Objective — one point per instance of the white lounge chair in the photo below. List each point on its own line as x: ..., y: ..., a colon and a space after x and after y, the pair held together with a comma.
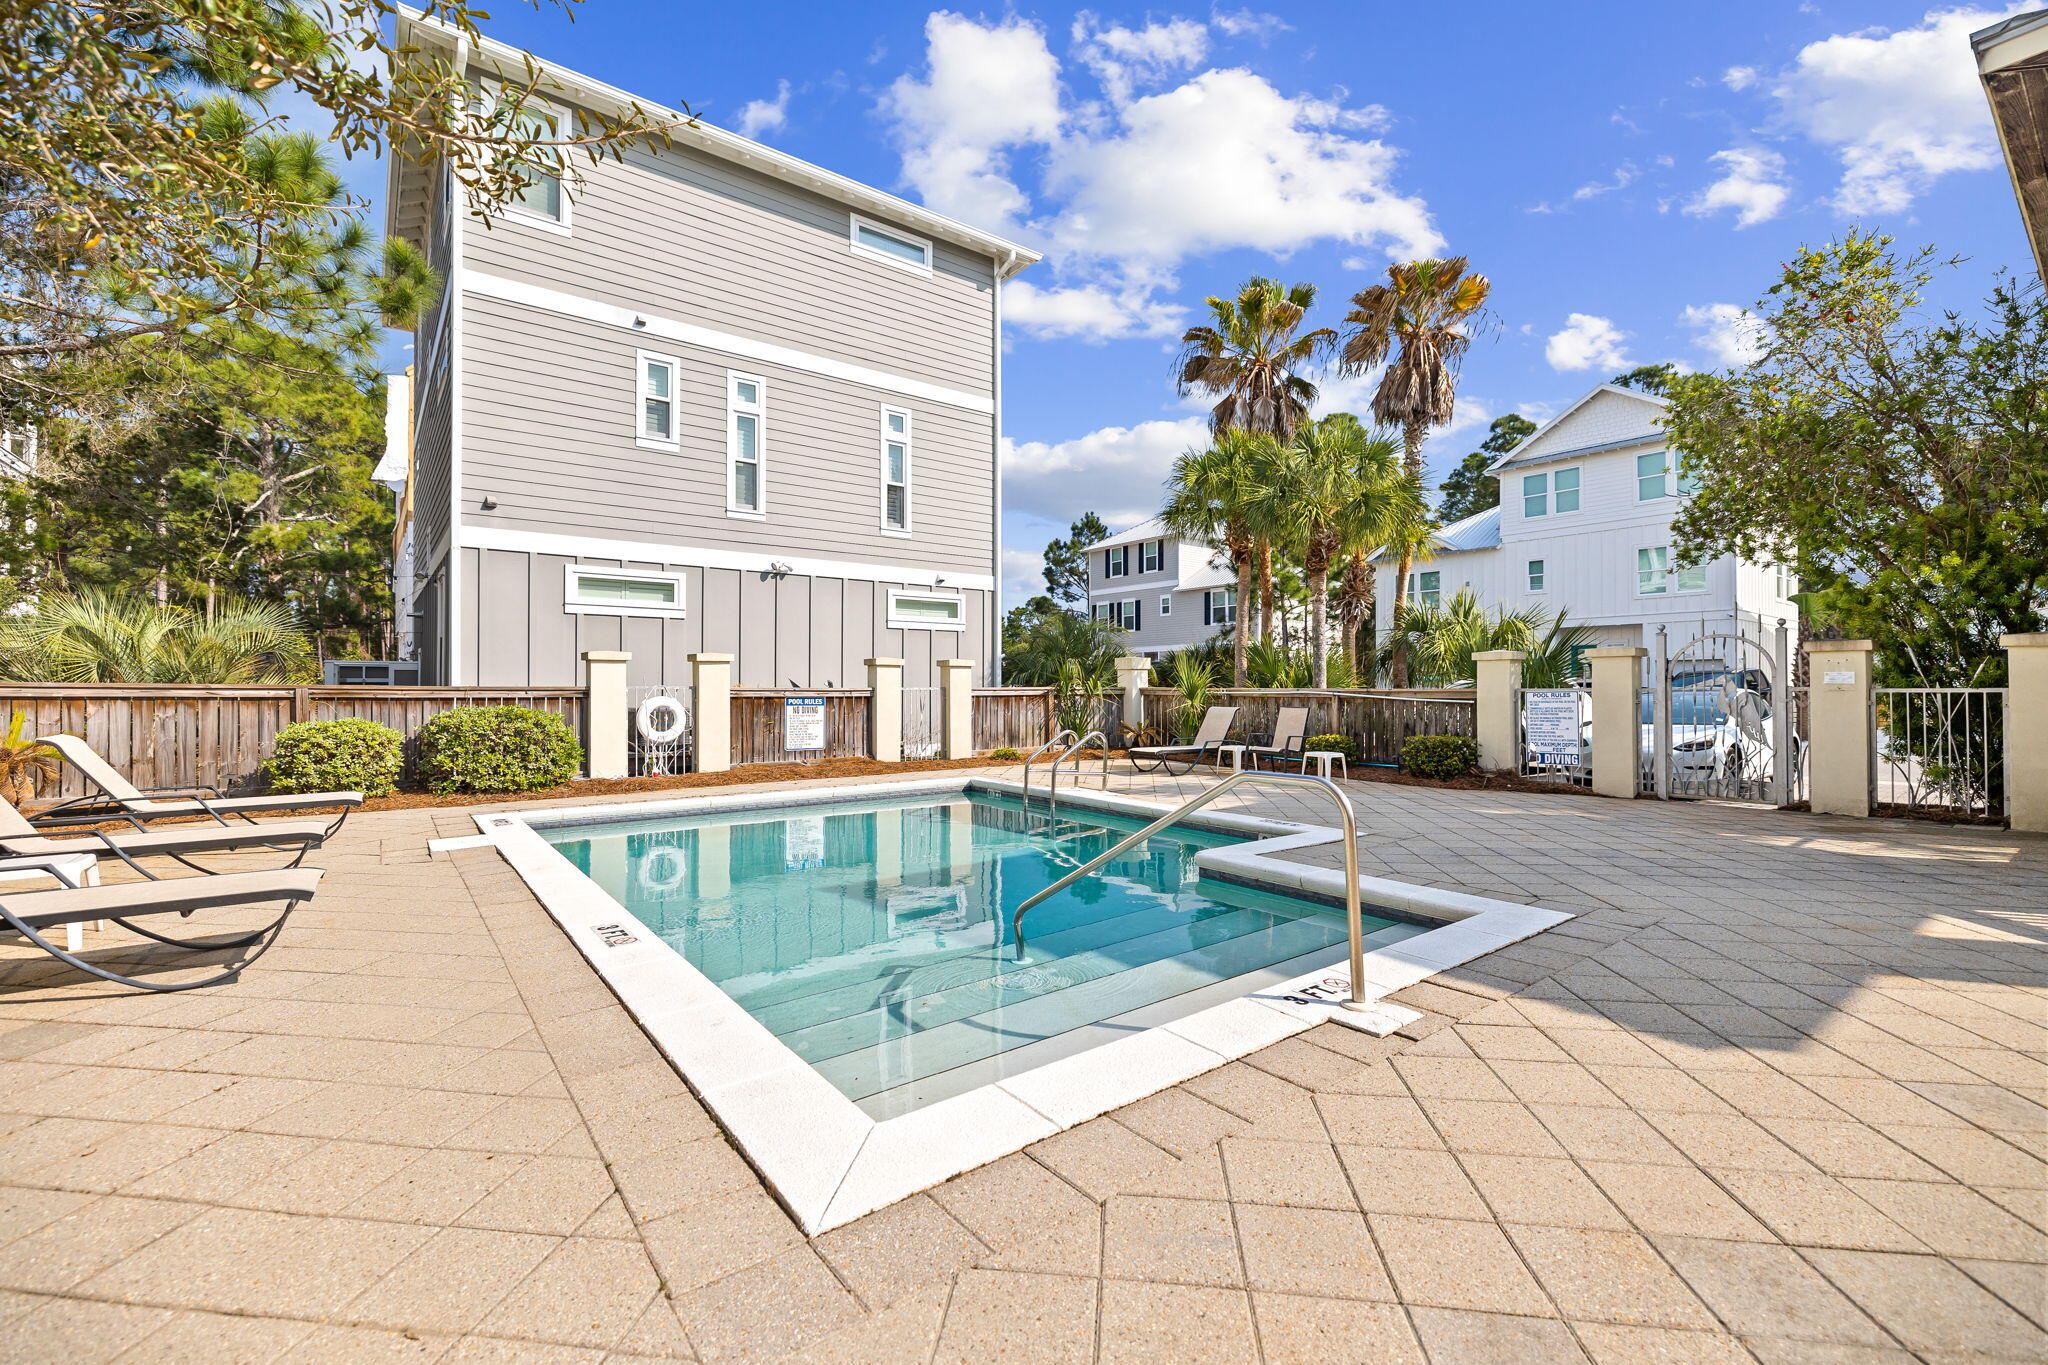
x: 120, y: 799
x: 1210, y: 737
x: 20, y: 839
x: 1290, y: 729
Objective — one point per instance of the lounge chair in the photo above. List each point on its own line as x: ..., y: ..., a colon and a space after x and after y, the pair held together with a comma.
x: 1290, y: 728
x: 20, y: 839
x: 120, y: 799
x: 28, y: 913
x: 1210, y: 737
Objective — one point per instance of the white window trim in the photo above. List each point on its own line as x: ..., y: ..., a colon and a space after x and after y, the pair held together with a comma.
x: 1166, y: 604
x: 1578, y: 469
x: 882, y: 469
x: 1159, y: 557
x: 734, y: 409
x: 896, y: 622
x: 674, y: 442
x: 1120, y: 557
x: 1545, y: 562
x: 1670, y: 476
x: 517, y: 214
x: 576, y: 606
x: 1671, y: 588
x: 854, y: 223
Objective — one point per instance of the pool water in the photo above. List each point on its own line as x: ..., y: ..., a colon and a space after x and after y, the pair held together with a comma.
x: 873, y: 938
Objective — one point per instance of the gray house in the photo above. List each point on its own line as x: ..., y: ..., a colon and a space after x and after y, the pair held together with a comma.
x: 1164, y: 592
x: 707, y: 398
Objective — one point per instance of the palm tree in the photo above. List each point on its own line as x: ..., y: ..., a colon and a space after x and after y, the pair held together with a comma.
x: 1334, y: 490
x: 105, y: 637
x: 1058, y: 640
x: 1442, y: 639
x: 1420, y: 323
x: 1209, y: 499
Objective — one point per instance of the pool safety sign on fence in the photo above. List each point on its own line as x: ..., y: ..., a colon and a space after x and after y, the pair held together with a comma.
x: 1550, y: 725
x: 803, y: 723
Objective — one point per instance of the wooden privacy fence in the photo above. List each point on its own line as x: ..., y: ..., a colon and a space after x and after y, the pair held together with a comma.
x: 1380, y: 721
x: 1012, y: 717
x: 184, y: 736
x: 757, y: 724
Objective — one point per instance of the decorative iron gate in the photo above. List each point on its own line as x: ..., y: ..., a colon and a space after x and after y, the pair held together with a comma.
x: 658, y: 735
x: 1716, y: 720
x: 1940, y: 749
x: 920, y: 722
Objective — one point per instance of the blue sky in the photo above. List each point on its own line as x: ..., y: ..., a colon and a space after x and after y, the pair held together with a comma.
x: 1627, y: 175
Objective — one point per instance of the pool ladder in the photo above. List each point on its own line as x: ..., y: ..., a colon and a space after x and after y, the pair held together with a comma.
x: 1036, y: 754
x: 1353, y: 916
x: 1075, y: 751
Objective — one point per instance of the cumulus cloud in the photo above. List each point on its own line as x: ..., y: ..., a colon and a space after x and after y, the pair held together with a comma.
x: 1898, y: 109
x: 1752, y: 184
x: 1089, y: 312
x: 757, y: 117
x: 1125, y: 58
x: 1587, y: 342
x: 1726, y: 331
x: 1123, y: 468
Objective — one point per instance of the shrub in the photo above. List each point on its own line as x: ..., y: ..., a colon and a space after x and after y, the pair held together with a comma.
x: 351, y: 755
x: 497, y: 749
x: 1336, y: 744
x: 1006, y: 753
x: 1439, y: 756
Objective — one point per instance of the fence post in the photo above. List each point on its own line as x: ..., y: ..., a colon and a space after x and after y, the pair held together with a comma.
x: 956, y: 704
x: 1496, y: 725
x: 711, y: 699
x: 885, y: 710
x: 604, y: 714
x: 1841, y: 740
x: 2026, y: 732
x: 1133, y: 676
x: 1617, y: 729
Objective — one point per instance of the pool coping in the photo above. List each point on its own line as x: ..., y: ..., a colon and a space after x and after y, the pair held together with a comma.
x: 827, y: 1160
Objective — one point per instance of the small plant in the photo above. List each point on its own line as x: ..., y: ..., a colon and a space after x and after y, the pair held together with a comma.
x: 497, y: 749
x: 1336, y: 744
x: 23, y: 763
x: 1439, y: 756
x: 348, y: 755
x: 1077, y: 698
x: 1006, y: 754
x: 1191, y: 676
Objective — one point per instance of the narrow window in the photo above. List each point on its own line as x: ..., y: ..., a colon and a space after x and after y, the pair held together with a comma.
x: 1535, y: 575
x: 1149, y: 555
x: 1651, y: 476
x: 1132, y: 614
x: 1688, y: 476
x: 1566, y: 484
x: 926, y: 611
x: 540, y: 196
x: 1651, y: 562
x: 1166, y: 605
x: 622, y: 592
x: 896, y: 471
x: 1535, y: 495
x: 657, y: 406
x: 746, y: 411
x: 887, y: 244
x: 1116, y: 563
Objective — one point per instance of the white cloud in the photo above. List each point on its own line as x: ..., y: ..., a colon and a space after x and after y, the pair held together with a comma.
x: 1752, y: 184
x: 1125, y: 58
x: 764, y: 116
x: 1898, y: 109
x: 1090, y: 312
x: 1739, y: 77
x: 1023, y: 575
x: 1727, y: 332
x: 1119, y: 471
x: 1245, y: 23
x: 1587, y: 342
x: 1624, y: 175
x: 988, y: 88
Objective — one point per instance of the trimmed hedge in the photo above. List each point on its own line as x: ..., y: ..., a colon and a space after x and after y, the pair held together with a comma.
x: 1336, y: 744
x: 349, y: 755
x: 497, y: 749
x: 1440, y: 756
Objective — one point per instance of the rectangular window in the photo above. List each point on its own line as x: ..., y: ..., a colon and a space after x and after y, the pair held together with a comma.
x: 1651, y: 565
x: 1151, y: 555
x: 896, y: 471
x: 1166, y: 605
x: 887, y: 244
x: 1691, y: 579
x: 1785, y: 581
x: 1426, y: 588
x: 1566, y: 483
x: 1219, y: 607
x: 1116, y: 563
x: 622, y: 592
x: 1688, y: 475
x: 539, y: 201
x: 1535, y: 575
x: 1535, y: 495
x: 657, y: 400
x: 1652, y: 473
x: 1124, y: 615
x: 926, y: 611
x: 746, y: 413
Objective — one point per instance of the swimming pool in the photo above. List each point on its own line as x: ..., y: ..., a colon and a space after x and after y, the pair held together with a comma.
x: 874, y: 938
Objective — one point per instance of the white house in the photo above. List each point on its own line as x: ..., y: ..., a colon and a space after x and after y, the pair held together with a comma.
x: 1584, y: 526
x: 1166, y: 592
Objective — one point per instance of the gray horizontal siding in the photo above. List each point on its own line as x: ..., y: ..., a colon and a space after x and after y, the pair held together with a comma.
x: 689, y: 236
x: 548, y: 433
x: 431, y: 464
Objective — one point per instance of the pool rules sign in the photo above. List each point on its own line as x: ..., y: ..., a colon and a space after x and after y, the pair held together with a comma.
x: 803, y: 724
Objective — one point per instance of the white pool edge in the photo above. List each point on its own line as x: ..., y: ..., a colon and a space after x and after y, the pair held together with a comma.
x: 826, y: 1159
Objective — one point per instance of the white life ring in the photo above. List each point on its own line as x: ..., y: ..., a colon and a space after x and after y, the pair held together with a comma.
x: 660, y: 720
x: 663, y: 869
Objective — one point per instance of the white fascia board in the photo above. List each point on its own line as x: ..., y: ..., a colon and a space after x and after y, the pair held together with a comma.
x: 476, y: 537
x: 1588, y: 396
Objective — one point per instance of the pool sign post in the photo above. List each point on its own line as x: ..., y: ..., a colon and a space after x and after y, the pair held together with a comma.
x: 803, y: 724
x: 1552, y: 726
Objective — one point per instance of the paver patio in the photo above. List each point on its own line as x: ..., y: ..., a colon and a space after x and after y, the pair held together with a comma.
x: 1778, y: 1093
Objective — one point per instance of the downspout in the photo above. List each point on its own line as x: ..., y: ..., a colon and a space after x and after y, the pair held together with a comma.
x: 1001, y: 270
x: 455, y: 625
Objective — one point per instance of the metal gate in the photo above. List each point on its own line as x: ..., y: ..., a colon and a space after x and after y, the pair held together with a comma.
x: 1716, y: 721
x: 647, y: 754
x: 920, y: 722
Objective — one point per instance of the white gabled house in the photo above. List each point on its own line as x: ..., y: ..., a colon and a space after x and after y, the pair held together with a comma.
x: 1584, y: 526
x: 1165, y: 592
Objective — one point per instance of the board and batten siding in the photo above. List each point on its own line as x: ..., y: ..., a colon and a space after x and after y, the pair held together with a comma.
x: 549, y: 413
x: 686, y: 235
x: 789, y: 630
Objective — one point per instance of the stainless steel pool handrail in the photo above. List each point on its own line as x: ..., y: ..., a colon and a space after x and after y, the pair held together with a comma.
x: 1033, y: 757
x: 1353, y: 916
x: 1075, y: 751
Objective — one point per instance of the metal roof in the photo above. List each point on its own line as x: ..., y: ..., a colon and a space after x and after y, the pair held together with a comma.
x: 1480, y: 531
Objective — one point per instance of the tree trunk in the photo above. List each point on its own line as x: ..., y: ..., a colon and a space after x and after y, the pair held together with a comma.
x: 1240, y: 630
x: 1266, y: 591
x: 1318, y: 621
x: 1411, y: 453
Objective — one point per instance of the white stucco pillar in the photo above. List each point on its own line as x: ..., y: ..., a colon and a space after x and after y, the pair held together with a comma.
x: 1497, y: 725
x: 711, y: 703
x: 1133, y: 676
x: 604, y: 716
x: 1617, y: 727
x: 2026, y: 731
x: 885, y: 710
x: 956, y: 706
x: 1841, y: 737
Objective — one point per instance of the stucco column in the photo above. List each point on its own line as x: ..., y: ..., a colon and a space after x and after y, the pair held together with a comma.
x: 1617, y: 729
x: 604, y: 714
x: 956, y: 706
x: 1496, y: 724
x: 711, y: 701
x: 885, y: 709
x: 1133, y: 676
x: 1841, y: 739
x: 2026, y: 731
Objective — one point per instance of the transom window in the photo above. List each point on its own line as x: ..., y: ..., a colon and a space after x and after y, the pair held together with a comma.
x: 926, y: 611
x: 1536, y: 575
x: 1219, y: 607
x: 1553, y: 490
x: 623, y: 592
x: 896, y: 436
x: 1425, y: 587
x: 746, y: 409
x: 888, y: 244
x: 657, y: 400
